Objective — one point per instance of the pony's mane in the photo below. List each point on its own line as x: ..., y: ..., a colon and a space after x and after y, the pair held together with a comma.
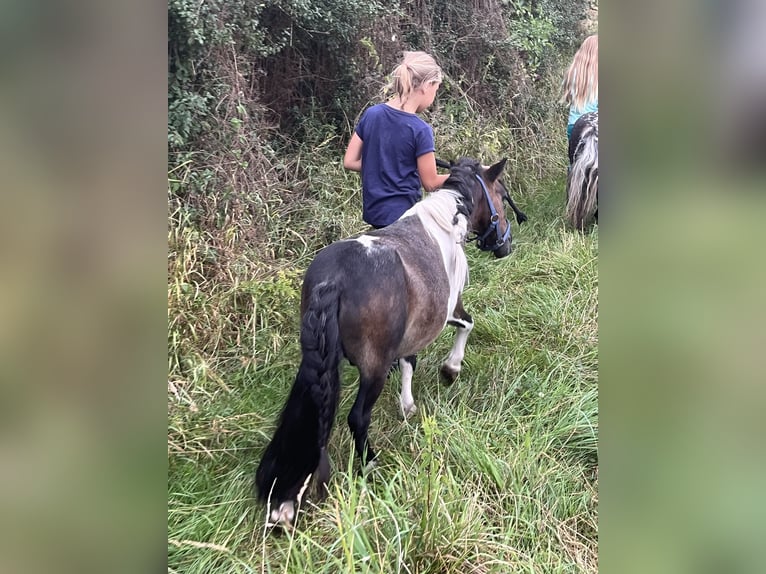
x: 448, y: 209
x: 444, y: 205
x: 441, y: 207
x: 582, y: 180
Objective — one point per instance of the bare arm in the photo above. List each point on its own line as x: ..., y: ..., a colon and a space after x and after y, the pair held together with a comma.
x: 353, y: 158
x: 427, y: 170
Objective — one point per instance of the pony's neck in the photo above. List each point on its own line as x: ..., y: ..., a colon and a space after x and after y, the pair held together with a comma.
x: 442, y: 220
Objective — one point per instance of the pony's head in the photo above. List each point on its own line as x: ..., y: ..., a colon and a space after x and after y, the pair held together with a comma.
x: 483, y: 195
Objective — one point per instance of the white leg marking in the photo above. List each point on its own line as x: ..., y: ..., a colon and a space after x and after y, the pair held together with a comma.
x: 405, y: 399
x: 284, y: 515
x: 455, y: 359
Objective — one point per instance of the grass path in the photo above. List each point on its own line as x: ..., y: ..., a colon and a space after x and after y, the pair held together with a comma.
x: 496, y: 473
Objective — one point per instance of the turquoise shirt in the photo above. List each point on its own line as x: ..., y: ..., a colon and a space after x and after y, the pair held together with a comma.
x: 575, y: 114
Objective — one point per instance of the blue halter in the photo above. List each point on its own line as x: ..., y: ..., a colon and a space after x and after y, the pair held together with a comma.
x: 494, y: 225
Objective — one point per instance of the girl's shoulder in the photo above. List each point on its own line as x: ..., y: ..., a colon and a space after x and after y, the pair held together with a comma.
x: 392, y: 115
x: 381, y: 108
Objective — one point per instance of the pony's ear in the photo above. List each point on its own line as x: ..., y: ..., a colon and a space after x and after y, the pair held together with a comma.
x: 494, y: 171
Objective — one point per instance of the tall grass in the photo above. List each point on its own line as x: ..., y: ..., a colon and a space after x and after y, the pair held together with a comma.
x: 496, y: 473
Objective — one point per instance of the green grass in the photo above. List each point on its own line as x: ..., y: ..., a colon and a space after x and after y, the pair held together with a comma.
x: 496, y: 473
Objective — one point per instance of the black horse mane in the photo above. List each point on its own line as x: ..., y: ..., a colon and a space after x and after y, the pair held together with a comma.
x: 461, y: 178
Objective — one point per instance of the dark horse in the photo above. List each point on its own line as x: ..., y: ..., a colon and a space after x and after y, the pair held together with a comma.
x: 372, y: 299
x: 582, y: 180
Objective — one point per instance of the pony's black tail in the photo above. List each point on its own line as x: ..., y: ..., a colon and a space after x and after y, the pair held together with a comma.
x: 582, y: 180
x: 298, y: 448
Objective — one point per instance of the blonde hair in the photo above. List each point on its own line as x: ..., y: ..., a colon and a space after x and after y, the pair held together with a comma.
x: 580, y: 86
x: 415, y: 69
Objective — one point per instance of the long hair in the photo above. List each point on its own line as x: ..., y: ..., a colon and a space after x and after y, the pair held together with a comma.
x: 415, y: 69
x: 580, y: 85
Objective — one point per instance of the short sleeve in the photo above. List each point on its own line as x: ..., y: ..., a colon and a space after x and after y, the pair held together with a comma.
x: 361, y: 127
x: 424, y: 140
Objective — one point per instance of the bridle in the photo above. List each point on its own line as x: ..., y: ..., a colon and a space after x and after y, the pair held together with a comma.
x: 494, y: 217
x: 494, y: 225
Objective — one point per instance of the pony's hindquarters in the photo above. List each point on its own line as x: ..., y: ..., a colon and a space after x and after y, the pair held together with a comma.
x: 297, y: 451
x: 582, y: 180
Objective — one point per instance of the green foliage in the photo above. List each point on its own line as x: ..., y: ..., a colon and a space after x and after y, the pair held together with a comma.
x: 531, y: 30
x: 274, y: 300
x: 497, y: 54
x: 312, y: 59
x: 186, y: 116
x: 279, y: 52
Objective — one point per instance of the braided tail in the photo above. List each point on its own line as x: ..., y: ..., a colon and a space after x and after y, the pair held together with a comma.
x: 299, y: 446
x: 582, y: 181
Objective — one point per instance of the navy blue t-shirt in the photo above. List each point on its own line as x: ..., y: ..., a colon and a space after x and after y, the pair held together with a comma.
x: 392, y: 142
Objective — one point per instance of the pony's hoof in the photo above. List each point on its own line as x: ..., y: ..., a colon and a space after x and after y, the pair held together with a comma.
x: 283, y: 516
x: 448, y: 374
x: 409, y: 410
x: 369, y: 467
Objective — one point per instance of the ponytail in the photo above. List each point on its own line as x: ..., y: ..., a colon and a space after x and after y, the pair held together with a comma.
x: 415, y: 69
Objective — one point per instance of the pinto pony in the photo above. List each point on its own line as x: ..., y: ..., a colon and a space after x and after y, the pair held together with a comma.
x: 375, y: 298
x: 582, y: 179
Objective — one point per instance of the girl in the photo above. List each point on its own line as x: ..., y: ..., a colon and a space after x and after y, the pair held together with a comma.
x: 393, y: 148
x: 580, y: 86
